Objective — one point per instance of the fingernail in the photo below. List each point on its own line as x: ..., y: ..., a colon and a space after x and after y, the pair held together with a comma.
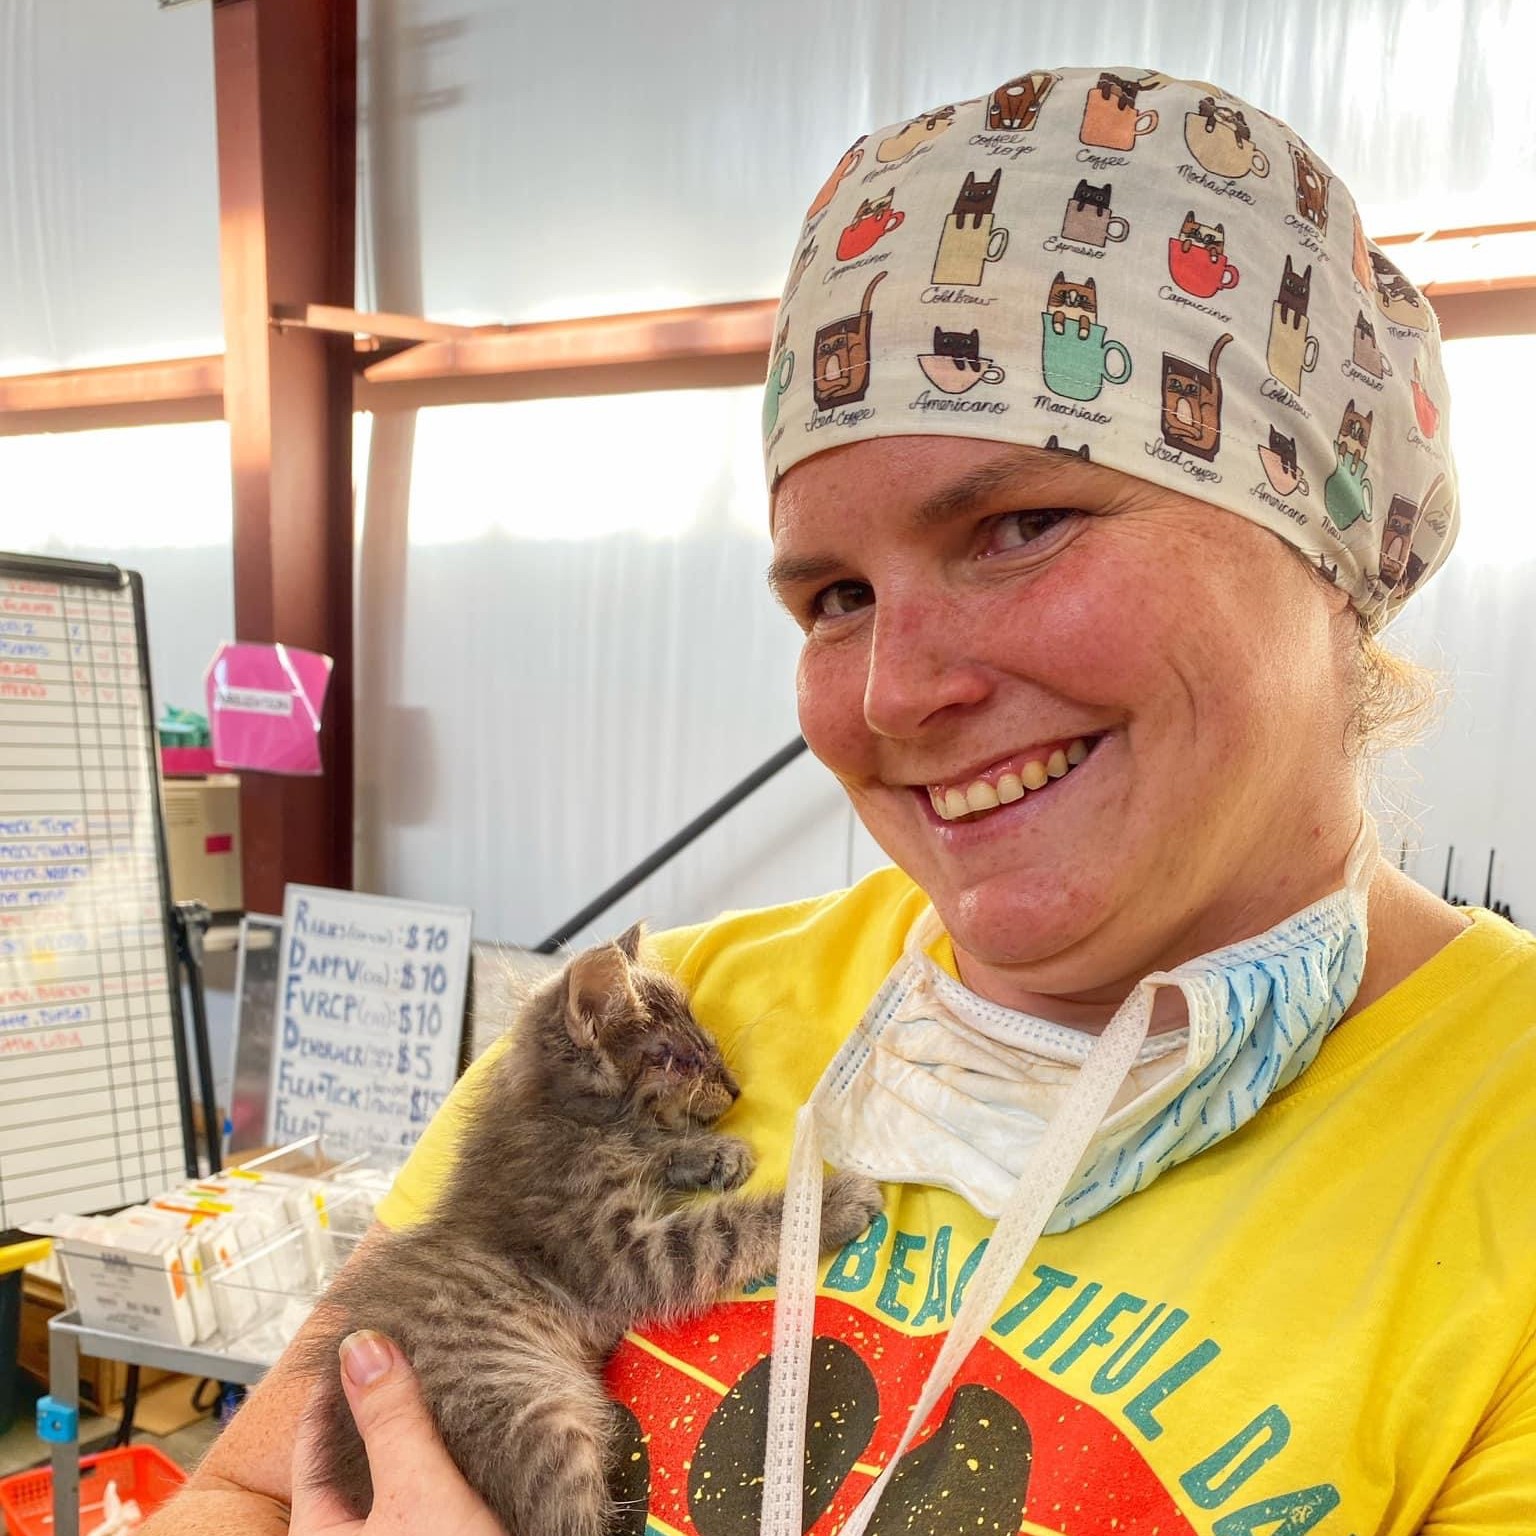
x: 365, y: 1356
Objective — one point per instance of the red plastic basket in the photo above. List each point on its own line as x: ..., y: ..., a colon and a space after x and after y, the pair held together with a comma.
x: 140, y: 1471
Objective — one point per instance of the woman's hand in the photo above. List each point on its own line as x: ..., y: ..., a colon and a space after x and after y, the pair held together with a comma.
x: 416, y: 1486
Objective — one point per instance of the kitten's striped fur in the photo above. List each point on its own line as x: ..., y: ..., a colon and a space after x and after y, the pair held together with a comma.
x: 563, y: 1227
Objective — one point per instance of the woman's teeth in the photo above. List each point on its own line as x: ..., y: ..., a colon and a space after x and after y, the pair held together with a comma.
x: 987, y: 794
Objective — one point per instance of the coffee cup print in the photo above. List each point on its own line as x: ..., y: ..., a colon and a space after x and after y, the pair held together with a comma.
x: 918, y: 131
x: 1367, y: 354
x: 1347, y: 493
x: 779, y: 377
x: 842, y: 358
x: 965, y: 248
x: 1292, y: 351
x: 845, y: 167
x: 1014, y: 107
x: 1110, y: 118
x: 1197, y: 259
x: 1219, y: 139
x: 956, y: 364
x: 1425, y: 411
x: 1088, y: 220
x: 1397, y: 541
x: 873, y: 220
x: 1077, y: 365
x: 1280, y: 467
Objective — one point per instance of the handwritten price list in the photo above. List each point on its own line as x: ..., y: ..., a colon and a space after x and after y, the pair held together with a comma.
x: 370, y: 1017
x: 88, y: 1102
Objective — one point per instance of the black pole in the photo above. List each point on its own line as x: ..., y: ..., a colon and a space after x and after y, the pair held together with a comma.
x: 179, y: 1041
x: 673, y: 845
x: 1488, y: 884
x: 193, y: 916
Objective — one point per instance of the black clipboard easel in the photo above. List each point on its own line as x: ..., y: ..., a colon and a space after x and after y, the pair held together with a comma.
x: 89, y: 978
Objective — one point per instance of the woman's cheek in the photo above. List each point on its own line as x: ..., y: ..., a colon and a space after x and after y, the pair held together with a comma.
x: 829, y: 696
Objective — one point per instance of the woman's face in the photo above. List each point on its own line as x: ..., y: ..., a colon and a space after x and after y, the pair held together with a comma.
x: 972, y: 610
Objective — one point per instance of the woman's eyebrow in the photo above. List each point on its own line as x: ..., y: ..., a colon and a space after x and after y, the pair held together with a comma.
x: 795, y: 570
x: 960, y: 496
x: 954, y: 500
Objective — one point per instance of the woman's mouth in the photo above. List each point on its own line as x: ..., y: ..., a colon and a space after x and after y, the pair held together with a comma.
x: 1008, y: 780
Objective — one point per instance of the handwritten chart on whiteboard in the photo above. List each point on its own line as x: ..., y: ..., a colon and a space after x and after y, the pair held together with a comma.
x: 370, y: 1005
x: 90, y: 1113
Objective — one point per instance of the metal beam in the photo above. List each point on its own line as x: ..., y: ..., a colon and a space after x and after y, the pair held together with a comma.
x: 285, y: 85
x: 700, y: 347
x: 353, y: 322
x: 136, y: 394
x: 1481, y: 282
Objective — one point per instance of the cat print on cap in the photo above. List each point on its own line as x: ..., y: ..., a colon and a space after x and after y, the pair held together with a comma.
x: 1292, y: 351
x: 875, y: 218
x: 1367, y: 355
x: 956, y: 365
x: 1192, y: 403
x: 1110, y: 118
x: 842, y: 355
x: 1219, y: 138
x: 1054, y: 445
x: 970, y: 240
x: 1281, y: 468
x: 1088, y: 219
x: 1396, y: 297
x: 1197, y: 258
x: 1077, y: 355
x: 1311, y: 190
x: 913, y: 135
x: 1347, y: 493
x: 1014, y: 107
x: 1401, y: 568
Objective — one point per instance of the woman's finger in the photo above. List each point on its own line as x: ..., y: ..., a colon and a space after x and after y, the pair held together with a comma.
x: 416, y: 1486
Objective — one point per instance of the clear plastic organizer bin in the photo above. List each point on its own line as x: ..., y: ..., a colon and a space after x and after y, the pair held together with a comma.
x: 232, y: 1262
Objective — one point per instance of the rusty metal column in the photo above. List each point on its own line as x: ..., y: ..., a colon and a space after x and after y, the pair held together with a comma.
x: 286, y: 88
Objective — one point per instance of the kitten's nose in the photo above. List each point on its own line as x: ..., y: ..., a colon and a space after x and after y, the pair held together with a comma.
x: 732, y: 1087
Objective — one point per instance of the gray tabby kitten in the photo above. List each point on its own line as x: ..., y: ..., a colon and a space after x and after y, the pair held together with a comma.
x: 561, y: 1229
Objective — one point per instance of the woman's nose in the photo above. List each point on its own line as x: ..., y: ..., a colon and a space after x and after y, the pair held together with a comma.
x: 920, y: 665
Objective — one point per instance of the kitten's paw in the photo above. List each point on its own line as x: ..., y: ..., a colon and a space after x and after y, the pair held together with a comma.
x: 718, y: 1163
x: 849, y: 1202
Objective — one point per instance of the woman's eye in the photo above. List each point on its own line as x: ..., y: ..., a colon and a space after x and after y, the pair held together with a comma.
x: 1017, y: 530
x: 842, y: 597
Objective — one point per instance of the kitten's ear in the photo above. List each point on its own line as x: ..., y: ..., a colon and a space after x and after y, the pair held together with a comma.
x: 629, y: 940
x: 596, y: 985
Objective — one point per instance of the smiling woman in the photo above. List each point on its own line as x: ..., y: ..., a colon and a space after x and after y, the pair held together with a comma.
x: 1203, y: 1131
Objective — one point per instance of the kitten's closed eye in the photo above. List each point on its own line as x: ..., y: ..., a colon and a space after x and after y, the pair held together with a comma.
x: 669, y: 1058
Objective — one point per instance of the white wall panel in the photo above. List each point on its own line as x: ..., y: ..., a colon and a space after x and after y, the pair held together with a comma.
x: 592, y: 156
x: 109, y: 211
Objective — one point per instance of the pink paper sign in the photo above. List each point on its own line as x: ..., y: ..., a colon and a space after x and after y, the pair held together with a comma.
x: 264, y: 707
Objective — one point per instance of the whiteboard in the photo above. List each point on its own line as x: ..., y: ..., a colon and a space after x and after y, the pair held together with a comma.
x: 370, y: 1018
x: 90, y: 1013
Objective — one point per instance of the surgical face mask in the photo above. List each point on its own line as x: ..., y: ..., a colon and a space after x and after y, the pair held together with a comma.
x: 1039, y: 1126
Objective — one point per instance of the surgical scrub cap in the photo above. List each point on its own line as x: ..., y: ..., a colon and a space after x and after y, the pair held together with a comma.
x: 1145, y: 271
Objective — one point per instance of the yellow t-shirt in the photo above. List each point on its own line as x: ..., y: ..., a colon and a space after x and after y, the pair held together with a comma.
x: 1326, y: 1322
